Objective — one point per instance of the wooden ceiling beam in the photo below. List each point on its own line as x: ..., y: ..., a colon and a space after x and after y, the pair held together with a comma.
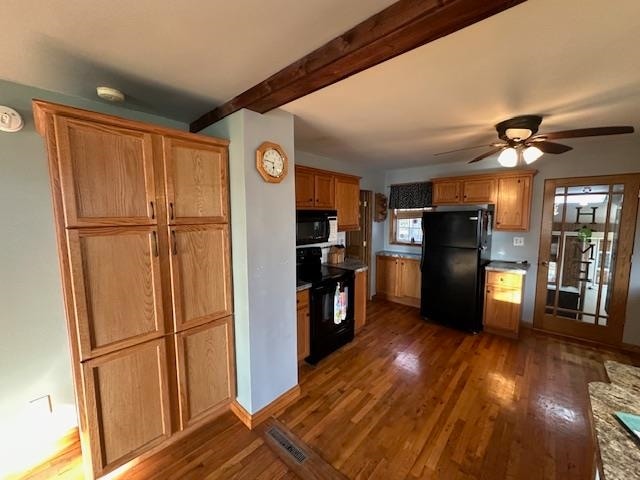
x: 401, y: 27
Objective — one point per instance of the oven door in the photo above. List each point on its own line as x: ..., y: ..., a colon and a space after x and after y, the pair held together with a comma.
x: 329, y: 331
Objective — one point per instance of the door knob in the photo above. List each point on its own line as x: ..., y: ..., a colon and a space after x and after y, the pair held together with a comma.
x: 544, y: 264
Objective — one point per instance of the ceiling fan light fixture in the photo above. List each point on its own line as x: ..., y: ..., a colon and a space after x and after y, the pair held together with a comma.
x: 518, y: 133
x: 508, y: 157
x: 531, y: 154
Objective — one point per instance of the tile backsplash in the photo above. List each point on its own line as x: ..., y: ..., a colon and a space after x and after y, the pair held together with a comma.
x: 341, y: 240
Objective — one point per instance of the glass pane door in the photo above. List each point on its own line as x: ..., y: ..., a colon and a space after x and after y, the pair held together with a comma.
x: 578, y: 275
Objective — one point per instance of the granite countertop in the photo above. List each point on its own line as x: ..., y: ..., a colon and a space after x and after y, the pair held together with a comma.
x: 302, y: 285
x: 511, y: 267
x: 390, y: 253
x: 350, y: 264
x: 619, y: 453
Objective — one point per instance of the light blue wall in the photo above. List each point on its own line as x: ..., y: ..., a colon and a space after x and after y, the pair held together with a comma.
x: 590, y: 157
x: 34, y: 353
x: 263, y: 243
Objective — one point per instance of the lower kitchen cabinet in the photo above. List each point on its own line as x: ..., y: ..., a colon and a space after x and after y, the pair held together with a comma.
x: 127, y: 403
x: 204, y: 370
x: 360, y: 307
x: 503, y: 303
x: 304, y: 347
x: 398, y: 279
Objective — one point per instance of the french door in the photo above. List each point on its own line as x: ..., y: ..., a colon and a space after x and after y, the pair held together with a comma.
x: 586, y: 243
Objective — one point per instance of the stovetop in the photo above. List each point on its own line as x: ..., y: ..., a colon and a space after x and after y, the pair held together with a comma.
x: 321, y: 274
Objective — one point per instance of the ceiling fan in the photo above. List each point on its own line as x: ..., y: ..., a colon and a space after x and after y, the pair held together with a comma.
x: 521, y: 142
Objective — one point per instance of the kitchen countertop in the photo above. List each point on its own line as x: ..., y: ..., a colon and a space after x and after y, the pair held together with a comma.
x: 350, y: 264
x: 619, y: 453
x: 390, y: 253
x: 511, y: 267
x: 302, y: 285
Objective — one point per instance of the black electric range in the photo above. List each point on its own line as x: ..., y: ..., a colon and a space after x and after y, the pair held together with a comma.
x: 328, y: 331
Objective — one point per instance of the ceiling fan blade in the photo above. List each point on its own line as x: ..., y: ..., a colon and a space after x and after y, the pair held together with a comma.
x: 486, y: 154
x: 460, y: 149
x: 551, y: 147
x: 585, y: 132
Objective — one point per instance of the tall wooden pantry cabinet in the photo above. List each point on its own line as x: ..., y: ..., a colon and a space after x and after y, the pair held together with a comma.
x: 142, y: 221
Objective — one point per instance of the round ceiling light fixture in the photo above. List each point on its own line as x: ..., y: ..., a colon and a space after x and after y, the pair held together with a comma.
x: 110, y: 94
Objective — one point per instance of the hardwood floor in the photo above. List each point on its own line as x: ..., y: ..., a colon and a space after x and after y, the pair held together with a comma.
x: 409, y: 399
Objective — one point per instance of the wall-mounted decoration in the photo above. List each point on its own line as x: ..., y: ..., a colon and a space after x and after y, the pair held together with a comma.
x: 10, y: 120
x: 380, y: 212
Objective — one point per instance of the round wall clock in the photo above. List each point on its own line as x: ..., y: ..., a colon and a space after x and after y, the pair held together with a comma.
x: 271, y: 162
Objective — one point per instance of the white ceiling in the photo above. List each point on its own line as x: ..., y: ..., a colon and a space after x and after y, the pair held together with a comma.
x: 575, y: 61
x: 176, y: 58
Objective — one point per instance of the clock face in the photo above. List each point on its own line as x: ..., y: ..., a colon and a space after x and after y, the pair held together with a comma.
x: 273, y: 162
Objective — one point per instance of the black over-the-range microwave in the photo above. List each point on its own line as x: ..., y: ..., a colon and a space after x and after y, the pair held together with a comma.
x: 315, y: 226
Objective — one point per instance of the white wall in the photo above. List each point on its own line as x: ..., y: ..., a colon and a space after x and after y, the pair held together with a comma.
x: 371, y: 179
x: 34, y: 352
x: 603, y: 156
x: 263, y: 245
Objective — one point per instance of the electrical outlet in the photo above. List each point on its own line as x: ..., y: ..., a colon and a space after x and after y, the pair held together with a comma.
x: 518, y: 241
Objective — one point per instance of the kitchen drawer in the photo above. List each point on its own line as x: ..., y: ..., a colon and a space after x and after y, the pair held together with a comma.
x: 504, y: 279
x: 302, y: 299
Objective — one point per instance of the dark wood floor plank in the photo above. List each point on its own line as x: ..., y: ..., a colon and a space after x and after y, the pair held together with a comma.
x: 410, y: 399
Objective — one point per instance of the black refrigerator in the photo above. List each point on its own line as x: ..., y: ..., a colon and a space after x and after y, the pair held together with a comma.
x: 456, y: 246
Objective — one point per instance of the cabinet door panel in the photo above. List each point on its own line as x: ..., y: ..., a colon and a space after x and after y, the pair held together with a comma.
x: 196, y: 182
x: 360, y: 313
x: 502, y: 308
x: 303, y: 333
x: 204, y: 375
x: 446, y: 192
x: 513, y: 203
x: 410, y: 278
x: 386, y: 275
x: 200, y: 274
x: 106, y: 174
x: 127, y: 403
x: 479, y: 191
x: 305, y: 189
x: 325, y: 191
x: 116, y: 286
x: 348, y: 203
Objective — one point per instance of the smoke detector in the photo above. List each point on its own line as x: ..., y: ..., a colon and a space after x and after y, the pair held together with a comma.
x: 110, y: 94
x: 10, y: 120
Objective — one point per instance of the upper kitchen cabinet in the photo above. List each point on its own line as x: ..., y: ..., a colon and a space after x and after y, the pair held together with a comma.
x: 196, y: 182
x: 305, y: 188
x: 348, y: 202
x: 106, y: 172
x: 315, y: 189
x: 446, y: 192
x: 480, y: 190
x: 513, y: 205
x: 324, y: 190
x: 510, y: 192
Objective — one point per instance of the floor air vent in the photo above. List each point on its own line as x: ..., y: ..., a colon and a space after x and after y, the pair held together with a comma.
x: 285, y: 443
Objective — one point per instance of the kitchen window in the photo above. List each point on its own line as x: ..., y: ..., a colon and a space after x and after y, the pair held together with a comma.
x: 406, y: 226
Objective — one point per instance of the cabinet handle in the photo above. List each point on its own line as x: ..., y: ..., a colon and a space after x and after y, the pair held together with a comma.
x: 155, y: 244
x: 153, y: 210
x: 175, y: 243
x: 171, y: 215
x: 488, y: 291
